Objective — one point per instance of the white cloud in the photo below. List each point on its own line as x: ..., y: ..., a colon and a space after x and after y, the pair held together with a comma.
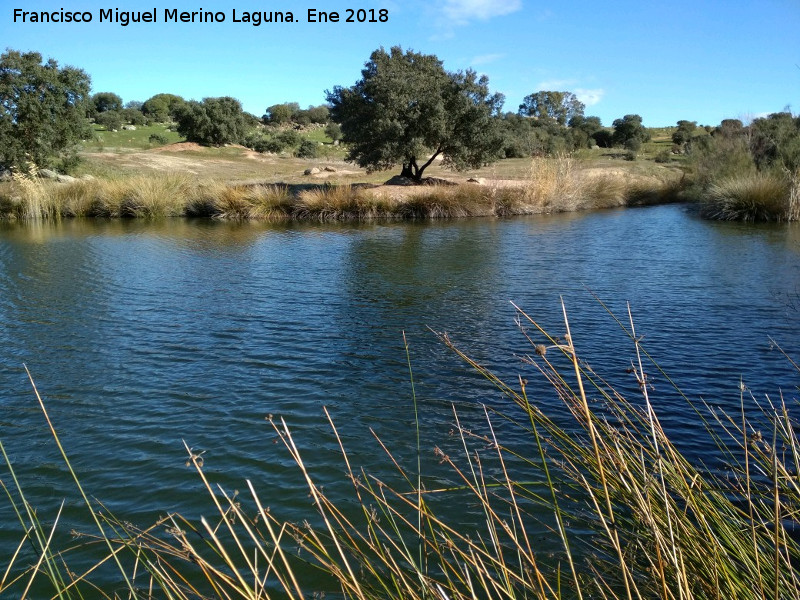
x: 461, y: 12
x: 485, y: 59
x: 589, y: 97
x: 556, y: 85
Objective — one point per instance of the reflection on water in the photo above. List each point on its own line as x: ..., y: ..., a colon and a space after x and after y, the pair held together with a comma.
x: 142, y: 335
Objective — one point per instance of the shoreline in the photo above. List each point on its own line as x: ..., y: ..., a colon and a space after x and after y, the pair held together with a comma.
x: 552, y: 186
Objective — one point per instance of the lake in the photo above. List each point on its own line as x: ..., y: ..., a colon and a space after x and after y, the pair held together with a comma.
x: 141, y: 336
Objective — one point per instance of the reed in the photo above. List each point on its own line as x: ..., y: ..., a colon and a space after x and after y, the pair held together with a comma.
x: 632, y: 516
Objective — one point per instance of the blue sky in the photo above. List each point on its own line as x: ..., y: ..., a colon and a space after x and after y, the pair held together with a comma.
x: 701, y: 60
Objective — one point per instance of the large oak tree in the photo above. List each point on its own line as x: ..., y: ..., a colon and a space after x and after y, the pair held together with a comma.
x: 42, y: 109
x: 406, y: 109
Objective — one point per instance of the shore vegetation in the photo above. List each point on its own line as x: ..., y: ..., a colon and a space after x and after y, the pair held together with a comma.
x: 550, y: 185
x: 628, y: 514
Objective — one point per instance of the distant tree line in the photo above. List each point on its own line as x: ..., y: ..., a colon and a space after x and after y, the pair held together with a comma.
x: 768, y: 144
x: 405, y: 110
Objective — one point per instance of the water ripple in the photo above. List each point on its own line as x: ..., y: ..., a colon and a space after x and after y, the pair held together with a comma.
x: 143, y: 336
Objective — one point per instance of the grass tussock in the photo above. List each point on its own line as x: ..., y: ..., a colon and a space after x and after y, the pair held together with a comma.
x: 239, y: 202
x: 632, y: 516
x: 341, y: 203
x: 757, y: 196
x: 33, y: 200
x: 444, y: 201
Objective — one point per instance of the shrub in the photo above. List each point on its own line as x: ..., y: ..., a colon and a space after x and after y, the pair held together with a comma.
x: 307, y: 149
x: 134, y: 116
x: 318, y: 114
x: 260, y: 145
x: 663, y: 157
x: 633, y: 144
x: 111, y: 120
x: 68, y: 163
x: 603, y: 138
x: 157, y: 138
x: 334, y: 131
x: 289, y: 138
x: 273, y: 145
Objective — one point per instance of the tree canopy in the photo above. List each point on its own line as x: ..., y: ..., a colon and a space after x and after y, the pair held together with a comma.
x: 42, y: 108
x: 106, y: 101
x: 162, y: 107
x: 406, y: 109
x: 214, y: 121
x: 559, y: 106
x: 629, y: 131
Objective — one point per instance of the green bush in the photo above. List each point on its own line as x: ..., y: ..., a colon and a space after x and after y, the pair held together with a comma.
x: 333, y: 130
x: 307, y: 149
x: 134, y: 116
x: 289, y: 138
x: 157, y: 138
x: 111, y: 120
x: 273, y: 145
x: 262, y: 145
x: 633, y: 144
x: 68, y: 163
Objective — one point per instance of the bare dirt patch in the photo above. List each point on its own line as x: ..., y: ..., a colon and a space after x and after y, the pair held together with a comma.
x: 179, y: 147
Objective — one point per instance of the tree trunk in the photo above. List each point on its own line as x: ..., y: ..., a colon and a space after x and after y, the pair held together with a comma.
x: 419, y: 170
x: 411, y: 170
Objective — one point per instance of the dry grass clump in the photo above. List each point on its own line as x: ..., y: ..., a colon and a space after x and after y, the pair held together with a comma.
x: 149, y: 197
x: 138, y: 196
x: 343, y: 202
x: 32, y: 200
x: 81, y: 199
x: 444, y: 201
x: 554, y: 185
x: 758, y: 196
x: 601, y: 475
x: 560, y: 185
x: 222, y: 200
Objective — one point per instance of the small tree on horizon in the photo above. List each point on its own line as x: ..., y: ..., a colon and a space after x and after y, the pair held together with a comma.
x: 406, y: 109
x: 684, y: 133
x: 106, y: 101
x: 559, y: 106
x: 629, y: 128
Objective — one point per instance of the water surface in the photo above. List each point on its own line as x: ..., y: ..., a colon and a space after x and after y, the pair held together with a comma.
x: 144, y: 335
